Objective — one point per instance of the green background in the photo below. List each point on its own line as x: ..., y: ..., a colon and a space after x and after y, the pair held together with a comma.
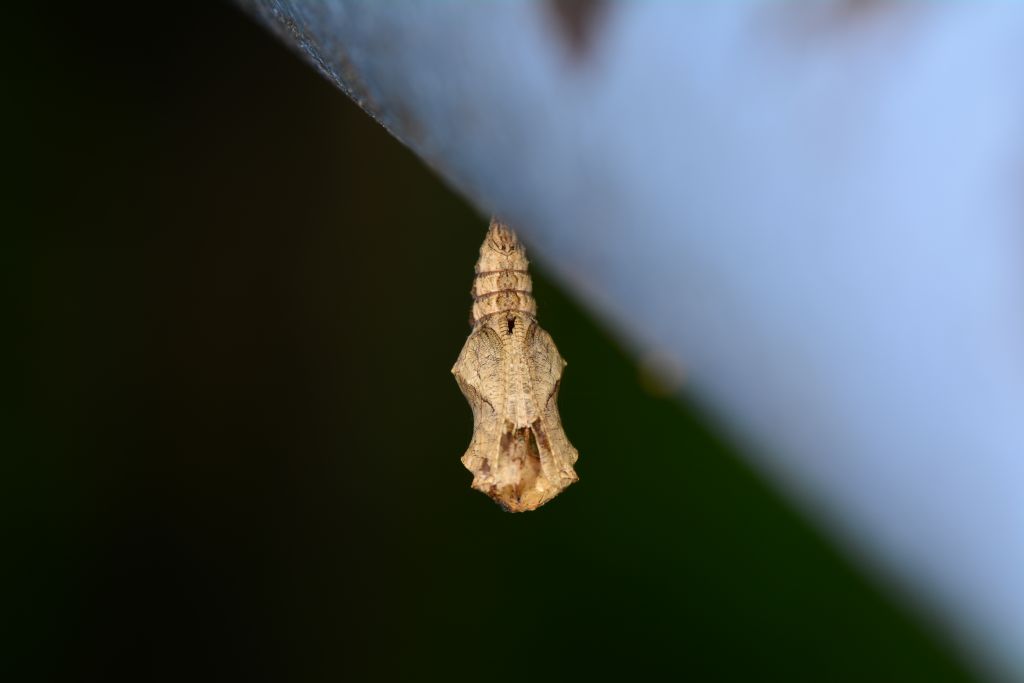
x: 233, y: 446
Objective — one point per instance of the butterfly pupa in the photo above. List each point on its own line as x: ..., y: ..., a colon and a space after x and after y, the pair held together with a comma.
x: 510, y: 370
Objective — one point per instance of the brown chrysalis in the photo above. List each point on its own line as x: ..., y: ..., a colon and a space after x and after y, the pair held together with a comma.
x: 509, y: 370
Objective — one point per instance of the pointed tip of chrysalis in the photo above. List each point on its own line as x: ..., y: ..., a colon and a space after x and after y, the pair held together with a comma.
x: 502, y: 237
x: 501, y: 249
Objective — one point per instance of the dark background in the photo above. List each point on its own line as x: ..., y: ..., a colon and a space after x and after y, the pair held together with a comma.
x: 233, y: 445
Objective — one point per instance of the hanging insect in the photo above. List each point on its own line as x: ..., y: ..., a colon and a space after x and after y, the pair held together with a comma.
x: 509, y: 371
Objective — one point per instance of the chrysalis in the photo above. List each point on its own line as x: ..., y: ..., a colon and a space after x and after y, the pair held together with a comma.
x: 509, y: 371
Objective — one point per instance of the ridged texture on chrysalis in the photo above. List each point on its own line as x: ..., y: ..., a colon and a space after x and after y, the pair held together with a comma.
x: 509, y: 370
